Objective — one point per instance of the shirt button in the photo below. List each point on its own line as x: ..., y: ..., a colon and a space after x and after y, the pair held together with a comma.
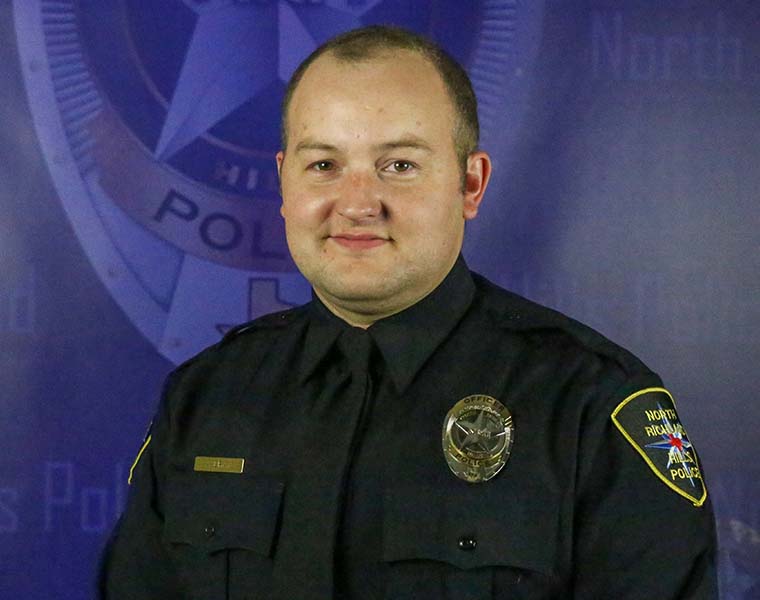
x: 210, y: 531
x: 467, y: 543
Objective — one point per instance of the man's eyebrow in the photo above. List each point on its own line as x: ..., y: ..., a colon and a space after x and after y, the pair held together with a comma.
x: 404, y: 142
x: 411, y: 141
x: 309, y: 144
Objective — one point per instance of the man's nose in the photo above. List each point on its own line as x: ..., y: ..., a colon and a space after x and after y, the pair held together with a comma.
x: 360, y: 197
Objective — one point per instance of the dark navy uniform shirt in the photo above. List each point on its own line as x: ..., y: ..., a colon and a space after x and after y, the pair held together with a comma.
x: 577, y: 511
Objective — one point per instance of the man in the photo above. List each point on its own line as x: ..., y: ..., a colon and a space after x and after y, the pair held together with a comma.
x: 415, y: 431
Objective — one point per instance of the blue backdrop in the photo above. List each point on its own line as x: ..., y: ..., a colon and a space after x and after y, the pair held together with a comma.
x: 139, y: 220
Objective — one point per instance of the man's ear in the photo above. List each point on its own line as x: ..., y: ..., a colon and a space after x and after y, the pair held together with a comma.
x: 475, y: 182
x: 279, y: 157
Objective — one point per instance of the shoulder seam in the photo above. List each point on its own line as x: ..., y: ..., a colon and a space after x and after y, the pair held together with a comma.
x: 522, y: 314
x: 269, y: 321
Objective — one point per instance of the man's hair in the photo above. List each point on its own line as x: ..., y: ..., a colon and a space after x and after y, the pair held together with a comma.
x: 364, y: 44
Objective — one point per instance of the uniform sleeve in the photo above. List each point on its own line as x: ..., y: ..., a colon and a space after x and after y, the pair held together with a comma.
x: 135, y: 563
x: 637, y: 536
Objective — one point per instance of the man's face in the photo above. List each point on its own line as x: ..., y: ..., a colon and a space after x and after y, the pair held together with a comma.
x: 372, y: 189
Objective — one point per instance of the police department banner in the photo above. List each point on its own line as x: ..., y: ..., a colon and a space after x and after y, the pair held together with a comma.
x: 139, y: 221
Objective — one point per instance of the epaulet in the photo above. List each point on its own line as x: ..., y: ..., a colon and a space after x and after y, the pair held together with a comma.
x: 269, y: 321
x: 513, y: 311
x: 518, y: 313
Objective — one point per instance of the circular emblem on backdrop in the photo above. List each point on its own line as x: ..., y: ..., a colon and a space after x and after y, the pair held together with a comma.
x: 477, y: 438
x: 159, y: 121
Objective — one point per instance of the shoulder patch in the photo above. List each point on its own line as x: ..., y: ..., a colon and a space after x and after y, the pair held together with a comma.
x: 648, y: 420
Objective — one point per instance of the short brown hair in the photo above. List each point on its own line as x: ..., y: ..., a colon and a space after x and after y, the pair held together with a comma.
x: 366, y: 43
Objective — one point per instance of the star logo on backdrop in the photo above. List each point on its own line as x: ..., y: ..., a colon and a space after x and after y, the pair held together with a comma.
x: 235, y: 53
x: 159, y: 121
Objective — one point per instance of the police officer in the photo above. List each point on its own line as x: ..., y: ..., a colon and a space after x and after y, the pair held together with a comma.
x: 414, y: 431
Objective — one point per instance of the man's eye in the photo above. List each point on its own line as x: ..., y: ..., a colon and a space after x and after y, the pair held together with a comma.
x: 323, y: 165
x: 400, y: 166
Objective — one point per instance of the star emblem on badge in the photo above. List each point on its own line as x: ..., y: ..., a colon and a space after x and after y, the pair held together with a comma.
x: 481, y: 432
x: 477, y: 438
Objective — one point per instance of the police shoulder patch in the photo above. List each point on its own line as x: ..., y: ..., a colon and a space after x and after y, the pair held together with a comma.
x: 648, y: 420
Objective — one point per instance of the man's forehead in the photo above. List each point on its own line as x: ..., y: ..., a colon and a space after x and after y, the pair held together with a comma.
x: 399, y: 64
x: 334, y: 60
x: 335, y: 96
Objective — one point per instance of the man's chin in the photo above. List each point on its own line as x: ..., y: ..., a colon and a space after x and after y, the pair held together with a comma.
x: 370, y: 292
x: 367, y: 292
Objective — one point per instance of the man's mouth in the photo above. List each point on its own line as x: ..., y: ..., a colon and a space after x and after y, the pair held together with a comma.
x: 359, y: 241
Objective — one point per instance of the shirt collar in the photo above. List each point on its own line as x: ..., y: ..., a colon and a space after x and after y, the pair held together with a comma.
x: 406, y: 339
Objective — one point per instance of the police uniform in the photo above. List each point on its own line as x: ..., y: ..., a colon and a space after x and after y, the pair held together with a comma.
x: 274, y: 469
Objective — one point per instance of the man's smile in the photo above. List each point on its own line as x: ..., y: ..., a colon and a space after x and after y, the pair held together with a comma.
x: 359, y: 241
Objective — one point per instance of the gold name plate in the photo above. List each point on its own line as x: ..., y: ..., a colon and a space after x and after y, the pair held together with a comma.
x: 219, y: 464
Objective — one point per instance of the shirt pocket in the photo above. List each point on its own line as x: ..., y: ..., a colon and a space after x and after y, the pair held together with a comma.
x: 220, y: 530
x: 468, y: 544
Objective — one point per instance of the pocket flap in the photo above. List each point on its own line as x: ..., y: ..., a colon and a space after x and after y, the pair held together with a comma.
x: 469, y: 529
x: 217, y: 511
